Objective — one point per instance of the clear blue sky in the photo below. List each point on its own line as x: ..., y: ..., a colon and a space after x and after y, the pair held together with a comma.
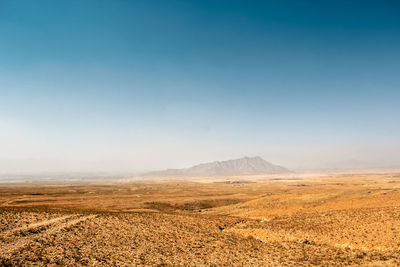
x: 137, y: 85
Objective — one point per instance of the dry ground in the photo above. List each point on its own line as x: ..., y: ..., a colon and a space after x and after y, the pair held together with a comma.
x: 335, y: 219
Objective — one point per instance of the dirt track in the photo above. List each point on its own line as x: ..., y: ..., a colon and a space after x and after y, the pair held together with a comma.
x: 336, y: 221
x: 16, y: 239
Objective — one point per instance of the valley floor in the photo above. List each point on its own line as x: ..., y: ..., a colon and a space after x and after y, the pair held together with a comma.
x: 336, y: 219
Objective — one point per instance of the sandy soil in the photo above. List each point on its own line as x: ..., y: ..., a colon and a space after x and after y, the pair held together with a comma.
x: 330, y: 219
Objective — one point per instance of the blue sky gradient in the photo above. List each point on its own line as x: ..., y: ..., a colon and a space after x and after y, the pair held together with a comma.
x: 137, y: 85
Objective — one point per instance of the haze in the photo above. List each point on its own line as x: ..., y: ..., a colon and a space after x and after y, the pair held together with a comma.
x: 147, y: 85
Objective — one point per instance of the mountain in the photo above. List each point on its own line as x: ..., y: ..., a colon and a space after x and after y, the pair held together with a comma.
x: 243, y: 166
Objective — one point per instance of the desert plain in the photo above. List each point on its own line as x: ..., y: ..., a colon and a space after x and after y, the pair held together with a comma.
x: 326, y: 219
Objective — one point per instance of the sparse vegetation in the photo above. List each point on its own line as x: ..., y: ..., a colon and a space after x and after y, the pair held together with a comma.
x: 338, y: 220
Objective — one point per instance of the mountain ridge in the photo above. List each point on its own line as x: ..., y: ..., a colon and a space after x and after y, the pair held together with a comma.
x: 241, y: 166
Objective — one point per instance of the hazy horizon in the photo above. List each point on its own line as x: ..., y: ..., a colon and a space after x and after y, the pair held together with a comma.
x: 133, y: 86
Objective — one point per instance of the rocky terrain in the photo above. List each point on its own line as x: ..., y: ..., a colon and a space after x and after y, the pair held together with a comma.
x: 329, y: 220
x: 243, y: 166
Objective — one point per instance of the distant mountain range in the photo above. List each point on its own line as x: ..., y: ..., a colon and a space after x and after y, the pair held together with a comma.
x: 242, y: 166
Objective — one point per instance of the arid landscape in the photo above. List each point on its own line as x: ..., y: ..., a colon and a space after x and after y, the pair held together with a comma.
x: 276, y: 220
x: 199, y: 133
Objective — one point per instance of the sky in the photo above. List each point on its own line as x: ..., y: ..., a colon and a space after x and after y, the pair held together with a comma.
x: 101, y: 85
